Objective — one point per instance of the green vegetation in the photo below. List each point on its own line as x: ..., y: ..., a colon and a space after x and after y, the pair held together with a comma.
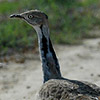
x: 69, y: 21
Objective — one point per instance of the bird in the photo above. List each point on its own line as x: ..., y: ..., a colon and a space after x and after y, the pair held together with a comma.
x: 55, y: 86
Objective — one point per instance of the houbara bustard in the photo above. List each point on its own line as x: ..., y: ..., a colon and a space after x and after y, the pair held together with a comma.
x: 55, y: 87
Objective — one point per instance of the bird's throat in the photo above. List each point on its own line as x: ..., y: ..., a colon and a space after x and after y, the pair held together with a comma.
x: 50, y: 64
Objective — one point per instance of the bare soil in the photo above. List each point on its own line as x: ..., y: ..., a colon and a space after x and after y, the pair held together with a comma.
x: 22, y: 81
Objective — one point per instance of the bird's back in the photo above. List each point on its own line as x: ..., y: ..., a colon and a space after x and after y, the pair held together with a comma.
x: 61, y: 89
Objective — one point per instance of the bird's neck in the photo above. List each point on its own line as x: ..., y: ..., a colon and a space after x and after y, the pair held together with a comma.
x: 50, y: 64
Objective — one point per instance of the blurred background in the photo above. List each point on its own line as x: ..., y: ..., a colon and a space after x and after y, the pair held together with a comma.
x: 74, y: 30
x: 70, y: 22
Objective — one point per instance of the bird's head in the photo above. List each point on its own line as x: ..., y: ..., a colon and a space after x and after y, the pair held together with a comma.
x: 32, y: 17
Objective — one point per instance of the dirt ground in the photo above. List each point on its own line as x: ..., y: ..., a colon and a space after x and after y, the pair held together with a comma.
x: 22, y: 81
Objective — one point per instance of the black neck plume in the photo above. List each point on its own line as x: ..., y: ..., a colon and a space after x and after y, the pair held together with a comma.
x: 50, y: 64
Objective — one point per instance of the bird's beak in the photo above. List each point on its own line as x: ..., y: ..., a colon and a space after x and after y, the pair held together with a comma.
x: 16, y: 16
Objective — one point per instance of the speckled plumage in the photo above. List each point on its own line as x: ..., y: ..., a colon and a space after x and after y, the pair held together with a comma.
x: 59, y: 89
x: 55, y: 87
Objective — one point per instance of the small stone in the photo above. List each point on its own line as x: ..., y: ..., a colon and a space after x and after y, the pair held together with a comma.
x: 92, y: 74
x: 28, y: 87
x: 98, y: 75
x: 24, y: 97
x: 81, y: 67
x: 2, y: 65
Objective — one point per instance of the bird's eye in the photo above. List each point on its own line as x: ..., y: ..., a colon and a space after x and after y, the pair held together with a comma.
x: 30, y: 16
